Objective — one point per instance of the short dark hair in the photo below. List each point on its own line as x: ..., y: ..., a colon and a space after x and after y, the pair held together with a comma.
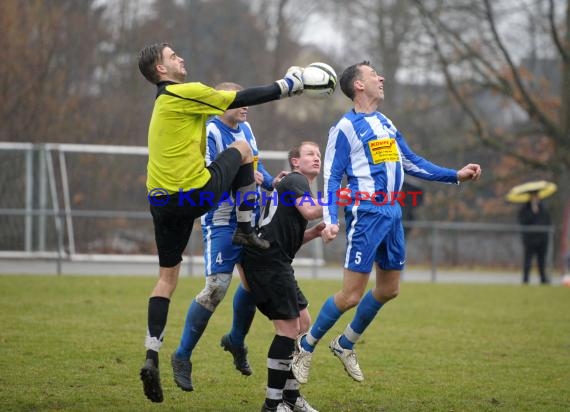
x: 349, y: 75
x: 149, y: 57
x: 295, y: 152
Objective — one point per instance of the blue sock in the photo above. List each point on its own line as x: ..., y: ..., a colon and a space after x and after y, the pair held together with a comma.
x: 326, y: 318
x: 196, y: 320
x: 244, y: 311
x: 365, y: 313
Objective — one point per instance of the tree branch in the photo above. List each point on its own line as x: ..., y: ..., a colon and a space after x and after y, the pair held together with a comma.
x: 455, y: 92
x: 469, y: 51
x: 486, y: 136
x: 531, y: 106
x: 555, y: 36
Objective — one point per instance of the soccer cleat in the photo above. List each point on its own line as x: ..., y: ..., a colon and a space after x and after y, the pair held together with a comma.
x: 282, y: 407
x: 182, y: 373
x: 150, y: 377
x: 239, y: 353
x: 301, y: 405
x: 348, y: 359
x: 301, y: 362
x: 249, y: 239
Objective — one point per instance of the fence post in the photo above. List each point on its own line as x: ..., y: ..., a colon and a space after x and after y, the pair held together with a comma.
x: 58, y: 217
x: 29, y: 219
x: 434, y: 245
x: 66, y: 202
x: 550, y: 255
x: 42, y: 201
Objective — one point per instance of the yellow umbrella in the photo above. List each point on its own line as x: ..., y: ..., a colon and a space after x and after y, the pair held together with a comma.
x: 521, y: 193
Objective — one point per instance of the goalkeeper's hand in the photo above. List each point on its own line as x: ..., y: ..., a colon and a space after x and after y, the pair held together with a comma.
x: 292, y: 83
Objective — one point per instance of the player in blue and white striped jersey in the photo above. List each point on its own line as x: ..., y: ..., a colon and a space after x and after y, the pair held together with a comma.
x: 220, y: 254
x: 220, y: 136
x: 368, y: 149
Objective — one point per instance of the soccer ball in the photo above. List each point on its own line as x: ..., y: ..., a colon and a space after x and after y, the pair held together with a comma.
x: 319, y: 80
x: 565, y: 281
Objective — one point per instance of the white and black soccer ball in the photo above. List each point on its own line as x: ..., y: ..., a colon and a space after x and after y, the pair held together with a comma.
x: 319, y: 80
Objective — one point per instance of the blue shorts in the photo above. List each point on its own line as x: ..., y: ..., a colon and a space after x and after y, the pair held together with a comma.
x: 220, y: 254
x: 374, y: 234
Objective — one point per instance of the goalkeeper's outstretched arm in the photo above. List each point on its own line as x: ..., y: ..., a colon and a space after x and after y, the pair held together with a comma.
x: 256, y: 95
x: 290, y: 85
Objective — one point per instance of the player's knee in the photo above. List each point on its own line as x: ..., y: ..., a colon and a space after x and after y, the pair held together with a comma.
x: 347, y: 300
x: 214, y: 291
x: 353, y: 299
x: 385, y: 295
x: 244, y: 149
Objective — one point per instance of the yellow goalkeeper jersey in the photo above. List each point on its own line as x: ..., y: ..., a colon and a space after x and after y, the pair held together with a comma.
x: 177, y: 134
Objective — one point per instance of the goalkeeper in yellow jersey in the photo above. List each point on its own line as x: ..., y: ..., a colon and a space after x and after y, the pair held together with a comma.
x: 180, y: 186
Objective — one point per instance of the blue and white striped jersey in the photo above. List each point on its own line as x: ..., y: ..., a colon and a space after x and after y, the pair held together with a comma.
x: 374, y: 156
x: 219, y: 137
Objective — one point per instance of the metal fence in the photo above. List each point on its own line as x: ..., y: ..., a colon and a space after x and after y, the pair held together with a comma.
x: 87, y: 203
x: 74, y: 203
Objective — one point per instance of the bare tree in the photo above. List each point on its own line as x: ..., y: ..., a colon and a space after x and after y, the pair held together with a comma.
x: 51, y: 50
x: 379, y: 31
x: 514, y: 57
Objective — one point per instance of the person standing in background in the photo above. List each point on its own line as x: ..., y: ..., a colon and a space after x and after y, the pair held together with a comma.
x: 534, y: 213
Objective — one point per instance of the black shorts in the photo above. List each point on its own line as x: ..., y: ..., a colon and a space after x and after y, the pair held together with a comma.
x: 173, y: 220
x: 275, y: 291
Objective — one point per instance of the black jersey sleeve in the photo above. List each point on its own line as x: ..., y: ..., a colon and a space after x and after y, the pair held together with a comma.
x: 256, y: 95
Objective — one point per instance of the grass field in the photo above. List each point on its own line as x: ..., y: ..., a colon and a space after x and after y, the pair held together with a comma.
x: 76, y: 344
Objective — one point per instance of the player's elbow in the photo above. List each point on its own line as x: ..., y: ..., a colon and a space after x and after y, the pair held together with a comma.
x: 312, y: 212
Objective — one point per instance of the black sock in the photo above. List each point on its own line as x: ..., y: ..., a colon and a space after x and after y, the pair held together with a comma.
x: 245, y: 195
x: 157, y: 316
x: 245, y: 227
x: 291, y: 393
x: 279, y: 367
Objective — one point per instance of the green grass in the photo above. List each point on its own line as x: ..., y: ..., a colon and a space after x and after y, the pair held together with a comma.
x: 76, y: 344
